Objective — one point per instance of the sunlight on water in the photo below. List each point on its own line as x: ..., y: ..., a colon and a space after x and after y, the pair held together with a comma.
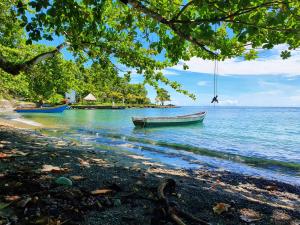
x: 257, y: 141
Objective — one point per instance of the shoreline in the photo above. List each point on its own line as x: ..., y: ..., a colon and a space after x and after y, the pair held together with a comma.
x: 20, y: 124
x: 131, y: 182
x: 122, y: 106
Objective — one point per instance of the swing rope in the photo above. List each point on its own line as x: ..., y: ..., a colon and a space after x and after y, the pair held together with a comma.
x: 215, y: 98
x: 217, y: 72
x: 215, y: 77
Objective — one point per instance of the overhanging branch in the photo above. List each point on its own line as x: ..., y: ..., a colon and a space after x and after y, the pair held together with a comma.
x: 140, y: 7
x: 15, y: 69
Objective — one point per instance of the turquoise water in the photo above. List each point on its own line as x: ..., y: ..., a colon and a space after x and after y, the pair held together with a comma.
x: 250, y: 140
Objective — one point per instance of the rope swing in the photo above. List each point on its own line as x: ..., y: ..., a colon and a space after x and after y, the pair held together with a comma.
x: 216, y: 68
x: 215, y: 98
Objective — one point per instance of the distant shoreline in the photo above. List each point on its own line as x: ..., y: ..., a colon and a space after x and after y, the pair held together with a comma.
x: 122, y: 107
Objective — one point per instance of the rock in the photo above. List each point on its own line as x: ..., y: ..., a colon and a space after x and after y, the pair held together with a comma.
x: 64, y: 181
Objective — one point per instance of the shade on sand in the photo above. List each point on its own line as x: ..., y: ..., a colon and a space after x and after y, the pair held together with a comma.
x: 90, y: 97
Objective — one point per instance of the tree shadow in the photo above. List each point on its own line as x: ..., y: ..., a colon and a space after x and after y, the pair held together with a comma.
x: 30, y: 164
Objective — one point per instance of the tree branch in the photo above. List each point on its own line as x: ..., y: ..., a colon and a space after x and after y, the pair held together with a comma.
x: 15, y: 69
x: 140, y: 7
x: 182, y: 10
x: 261, y: 27
x: 225, y: 17
x: 191, y: 39
x: 9, y: 67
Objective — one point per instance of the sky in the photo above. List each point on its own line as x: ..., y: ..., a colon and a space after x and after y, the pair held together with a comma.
x: 266, y: 81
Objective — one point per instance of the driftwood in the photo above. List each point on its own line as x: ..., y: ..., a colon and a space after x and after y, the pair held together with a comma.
x: 170, y: 208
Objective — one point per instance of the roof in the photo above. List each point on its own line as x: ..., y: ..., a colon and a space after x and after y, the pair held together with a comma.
x: 90, y: 97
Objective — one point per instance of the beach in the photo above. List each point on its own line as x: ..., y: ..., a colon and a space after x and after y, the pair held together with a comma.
x: 149, y: 112
x: 114, y: 187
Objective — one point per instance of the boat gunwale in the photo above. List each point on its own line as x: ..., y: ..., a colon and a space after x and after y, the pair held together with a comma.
x: 144, y: 119
x: 42, y: 108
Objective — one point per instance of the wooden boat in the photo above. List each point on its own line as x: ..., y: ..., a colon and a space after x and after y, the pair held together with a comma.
x: 168, y: 121
x: 56, y: 109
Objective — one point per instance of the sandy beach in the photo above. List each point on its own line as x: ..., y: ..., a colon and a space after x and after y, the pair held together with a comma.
x: 103, y: 186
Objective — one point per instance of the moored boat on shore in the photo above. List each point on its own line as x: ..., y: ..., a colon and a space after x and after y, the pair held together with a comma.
x: 55, y: 109
x: 168, y: 121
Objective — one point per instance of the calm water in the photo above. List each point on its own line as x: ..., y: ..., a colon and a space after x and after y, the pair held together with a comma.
x: 256, y: 141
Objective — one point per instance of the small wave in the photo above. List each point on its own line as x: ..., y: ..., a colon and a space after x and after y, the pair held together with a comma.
x: 109, y: 138
x: 251, y: 161
x: 29, y: 122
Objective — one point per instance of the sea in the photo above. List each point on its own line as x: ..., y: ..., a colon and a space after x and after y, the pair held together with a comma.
x: 257, y: 141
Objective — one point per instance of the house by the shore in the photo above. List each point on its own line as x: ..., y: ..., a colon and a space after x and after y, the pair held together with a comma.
x: 71, y: 96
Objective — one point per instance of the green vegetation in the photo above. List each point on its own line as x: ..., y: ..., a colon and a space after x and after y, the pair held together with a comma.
x: 51, y: 78
x: 162, y: 96
x: 134, y: 34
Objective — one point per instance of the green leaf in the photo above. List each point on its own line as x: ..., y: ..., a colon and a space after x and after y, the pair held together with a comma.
x: 285, y: 54
x: 185, y: 66
x: 252, y: 54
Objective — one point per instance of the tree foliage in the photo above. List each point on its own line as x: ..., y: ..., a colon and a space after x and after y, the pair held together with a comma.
x: 106, y: 84
x: 52, y: 77
x: 162, y: 96
x: 149, y: 35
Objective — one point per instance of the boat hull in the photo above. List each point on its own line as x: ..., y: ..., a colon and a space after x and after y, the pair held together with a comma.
x: 169, y: 121
x: 57, y: 109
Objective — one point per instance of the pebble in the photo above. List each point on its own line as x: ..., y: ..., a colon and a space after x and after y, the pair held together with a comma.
x: 64, y: 181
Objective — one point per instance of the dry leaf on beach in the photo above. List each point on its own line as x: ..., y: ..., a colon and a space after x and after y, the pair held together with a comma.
x: 220, y: 208
x: 53, y: 169
x: 76, y: 178
x: 19, y: 153
x: 3, y: 155
x: 103, y: 191
x: 249, y: 215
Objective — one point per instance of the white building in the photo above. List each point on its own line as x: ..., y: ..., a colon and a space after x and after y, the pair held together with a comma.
x: 71, y: 96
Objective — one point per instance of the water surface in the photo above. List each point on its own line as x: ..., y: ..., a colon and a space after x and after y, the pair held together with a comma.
x: 249, y: 140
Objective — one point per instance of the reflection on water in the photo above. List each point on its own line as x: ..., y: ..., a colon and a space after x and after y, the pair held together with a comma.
x: 252, y: 140
x: 193, y: 127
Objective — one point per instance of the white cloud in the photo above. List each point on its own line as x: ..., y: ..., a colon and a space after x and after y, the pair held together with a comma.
x: 202, y: 83
x: 270, y: 65
x: 228, y: 102
x: 168, y: 72
x: 273, y: 88
x: 295, y: 100
x: 268, y: 99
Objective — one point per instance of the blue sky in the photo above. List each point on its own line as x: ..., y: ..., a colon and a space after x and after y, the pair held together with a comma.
x: 267, y: 81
